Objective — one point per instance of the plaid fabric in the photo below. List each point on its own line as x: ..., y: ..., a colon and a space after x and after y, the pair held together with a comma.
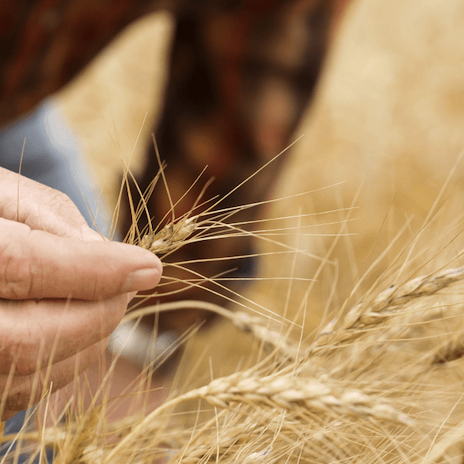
x: 44, y: 43
x: 241, y: 74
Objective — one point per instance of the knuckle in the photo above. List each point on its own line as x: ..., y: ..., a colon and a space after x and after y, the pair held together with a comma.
x: 16, y: 274
x: 19, y: 396
x: 62, y: 215
x: 23, y: 350
x: 60, y: 202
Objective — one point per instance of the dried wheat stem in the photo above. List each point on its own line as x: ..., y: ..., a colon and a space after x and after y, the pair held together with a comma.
x: 454, y: 437
x: 271, y: 338
x: 387, y: 304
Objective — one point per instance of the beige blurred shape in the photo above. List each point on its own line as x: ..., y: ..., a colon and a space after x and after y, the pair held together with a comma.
x: 119, y: 95
x: 388, y: 122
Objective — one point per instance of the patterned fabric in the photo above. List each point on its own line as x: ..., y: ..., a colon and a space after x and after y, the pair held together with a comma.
x: 241, y: 74
x: 44, y: 43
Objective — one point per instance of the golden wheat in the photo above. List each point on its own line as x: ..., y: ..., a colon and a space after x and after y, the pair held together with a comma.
x: 307, y: 395
x: 356, y: 393
x: 390, y: 302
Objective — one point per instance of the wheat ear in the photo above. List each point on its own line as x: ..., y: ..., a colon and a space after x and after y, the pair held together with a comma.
x: 276, y: 391
x: 387, y: 304
x: 170, y: 237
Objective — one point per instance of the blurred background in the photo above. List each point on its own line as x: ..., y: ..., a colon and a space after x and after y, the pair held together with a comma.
x: 376, y: 88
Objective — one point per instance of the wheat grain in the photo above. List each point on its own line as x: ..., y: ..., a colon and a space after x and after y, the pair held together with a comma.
x: 170, y: 237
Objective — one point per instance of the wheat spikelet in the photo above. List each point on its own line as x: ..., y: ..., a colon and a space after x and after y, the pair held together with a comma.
x: 170, y: 237
x: 389, y: 303
x: 289, y: 392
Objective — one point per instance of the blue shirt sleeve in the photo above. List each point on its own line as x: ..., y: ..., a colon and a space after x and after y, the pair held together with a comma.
x: 53, y: 156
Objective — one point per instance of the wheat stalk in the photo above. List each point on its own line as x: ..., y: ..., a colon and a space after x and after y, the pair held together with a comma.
x: 270, y: 337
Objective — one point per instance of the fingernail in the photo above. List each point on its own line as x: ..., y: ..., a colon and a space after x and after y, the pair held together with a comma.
x: 89, y: 235
x: 143, y: 279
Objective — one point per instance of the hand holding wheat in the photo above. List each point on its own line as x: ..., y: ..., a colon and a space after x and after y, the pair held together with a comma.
x: 63, y: 290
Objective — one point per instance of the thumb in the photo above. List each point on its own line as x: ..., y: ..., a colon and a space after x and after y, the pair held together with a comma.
x: 36, y: 264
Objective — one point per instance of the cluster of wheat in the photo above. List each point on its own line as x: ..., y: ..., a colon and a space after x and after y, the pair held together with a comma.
x: 380, y: 383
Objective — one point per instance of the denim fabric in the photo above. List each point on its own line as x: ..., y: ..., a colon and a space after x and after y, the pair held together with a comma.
x: 52, y: 156
x: 14, y: 426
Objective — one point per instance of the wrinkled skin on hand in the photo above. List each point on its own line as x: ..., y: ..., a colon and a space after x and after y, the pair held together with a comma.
x: 63, y: 290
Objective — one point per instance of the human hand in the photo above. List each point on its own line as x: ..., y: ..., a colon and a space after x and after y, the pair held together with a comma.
x: 63, y: 290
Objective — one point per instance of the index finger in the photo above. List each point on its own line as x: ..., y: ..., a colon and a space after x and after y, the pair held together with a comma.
x: 39, y: 206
